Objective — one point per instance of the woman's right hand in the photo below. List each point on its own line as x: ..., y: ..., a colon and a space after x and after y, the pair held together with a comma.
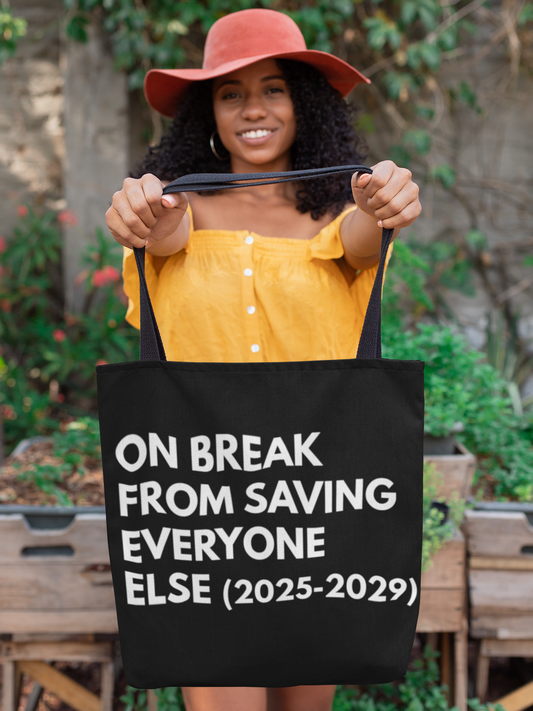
x: 140, y: 215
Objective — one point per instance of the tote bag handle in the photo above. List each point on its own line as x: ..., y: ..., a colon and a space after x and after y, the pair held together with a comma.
x: 151, y: 345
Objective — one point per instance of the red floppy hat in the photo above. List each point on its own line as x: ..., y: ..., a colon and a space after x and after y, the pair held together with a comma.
x: 242, y: 38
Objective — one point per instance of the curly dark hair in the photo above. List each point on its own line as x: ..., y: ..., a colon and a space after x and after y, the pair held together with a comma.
x: 325, y: 136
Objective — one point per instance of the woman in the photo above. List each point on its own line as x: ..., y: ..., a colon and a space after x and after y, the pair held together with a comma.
x: 269, y: 273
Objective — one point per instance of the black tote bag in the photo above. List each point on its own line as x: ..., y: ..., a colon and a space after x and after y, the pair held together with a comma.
x: 264, y: 520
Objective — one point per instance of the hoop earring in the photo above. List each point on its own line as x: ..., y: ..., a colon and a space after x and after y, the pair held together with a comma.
x: 212, y: 144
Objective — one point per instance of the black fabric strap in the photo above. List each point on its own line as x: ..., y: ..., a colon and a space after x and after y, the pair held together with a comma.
x: 151, y: 345
x: 202, y: 182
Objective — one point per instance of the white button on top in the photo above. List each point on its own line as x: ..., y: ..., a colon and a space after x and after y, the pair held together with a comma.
x: 248, y: 272
x: 250, y: 309
x: 255, y: 348
x: 249, y: 239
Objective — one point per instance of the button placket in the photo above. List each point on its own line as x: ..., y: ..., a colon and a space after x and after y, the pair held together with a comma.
x: 251, y: 324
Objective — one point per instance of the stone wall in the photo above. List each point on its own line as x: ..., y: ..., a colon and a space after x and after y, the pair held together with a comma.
x: 96, y: 143
x: 64, y: 138
x: 31, y: 115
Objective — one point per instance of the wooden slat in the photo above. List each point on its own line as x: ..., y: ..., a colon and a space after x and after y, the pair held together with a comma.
x: 86, y: 534
x: 507, y: 647
x: 501, y: 626
x: 504, y: 591
x: 54, y: 586
x: 498, y: 534
x: 58, y: 651
x: 440, y: 610
x: 457, y: 471
x: 517, y: 700
x: 493, y: 563
x: 52, y: 637
x: 12, y: 678
x: 107, y: 686
x: 448, y: 565
x: 461, y: 666
x: 68, y: 621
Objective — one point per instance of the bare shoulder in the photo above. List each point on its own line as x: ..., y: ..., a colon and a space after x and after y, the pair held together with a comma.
x: 349, y: 206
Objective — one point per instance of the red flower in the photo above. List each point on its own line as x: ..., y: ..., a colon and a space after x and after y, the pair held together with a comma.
x: 58, y: 335
x: 104, y: 276
x: 8, y: 412
x: 3, y: 244
x: 112, y: 273
x: 22, y: 210
x: 101, y: 361
x: 67, y: 217
x: 60, y: 397
x: 98, y: 278
x: 5, y: 305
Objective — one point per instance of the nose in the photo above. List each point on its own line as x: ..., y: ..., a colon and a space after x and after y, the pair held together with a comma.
x: 254, y: 109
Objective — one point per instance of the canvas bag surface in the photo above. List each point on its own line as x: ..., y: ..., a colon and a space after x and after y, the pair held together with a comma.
x: 264, y: 520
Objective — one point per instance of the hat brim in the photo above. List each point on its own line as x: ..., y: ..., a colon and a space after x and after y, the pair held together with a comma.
x: 163, y: 87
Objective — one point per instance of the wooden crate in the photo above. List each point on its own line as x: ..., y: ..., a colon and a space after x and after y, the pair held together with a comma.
x: 500, y: 546
x: 442, y: 594
x: 457, y: 471
x: 443, y: 615
x: 55, y: 579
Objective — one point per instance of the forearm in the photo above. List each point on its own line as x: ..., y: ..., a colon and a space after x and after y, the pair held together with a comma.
x: 361, y: 239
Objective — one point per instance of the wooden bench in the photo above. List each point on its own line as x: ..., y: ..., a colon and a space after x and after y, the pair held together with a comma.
x: 32, y: 657
x: 500, y: 547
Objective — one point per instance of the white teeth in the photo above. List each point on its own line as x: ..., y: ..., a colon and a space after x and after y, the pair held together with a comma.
x: 256, y: 134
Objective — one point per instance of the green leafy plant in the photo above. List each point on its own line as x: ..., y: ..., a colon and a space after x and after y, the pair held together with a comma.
x: 508, y: 358
x: 79, y: 442
x: 135, y: 699
x: 11, y: 30
x: 459, y: 386
x: 47, y: 478
x: 405, y: 294
x: 50, y: 354
x: 25, y: 409
x: 418, y: 691
x: 448, y: 364
x: 168, y: 699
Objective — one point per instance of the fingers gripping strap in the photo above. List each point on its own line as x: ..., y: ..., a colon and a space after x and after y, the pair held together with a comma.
x: 151, y: 345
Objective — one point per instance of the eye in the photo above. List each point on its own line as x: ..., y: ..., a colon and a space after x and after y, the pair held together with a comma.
x: 274, y: 89
x: 229, y: 95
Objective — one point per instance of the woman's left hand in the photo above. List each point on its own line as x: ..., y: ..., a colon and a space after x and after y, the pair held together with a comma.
x: 389, y: 195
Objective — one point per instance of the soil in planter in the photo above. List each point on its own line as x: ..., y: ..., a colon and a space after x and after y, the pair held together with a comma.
x: 83, y: 490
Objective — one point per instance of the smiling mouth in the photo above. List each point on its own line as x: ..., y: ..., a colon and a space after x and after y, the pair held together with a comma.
x: 258, y: 133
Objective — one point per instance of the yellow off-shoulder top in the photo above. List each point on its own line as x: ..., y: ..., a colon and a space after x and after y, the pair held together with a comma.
x: 237, y: 296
